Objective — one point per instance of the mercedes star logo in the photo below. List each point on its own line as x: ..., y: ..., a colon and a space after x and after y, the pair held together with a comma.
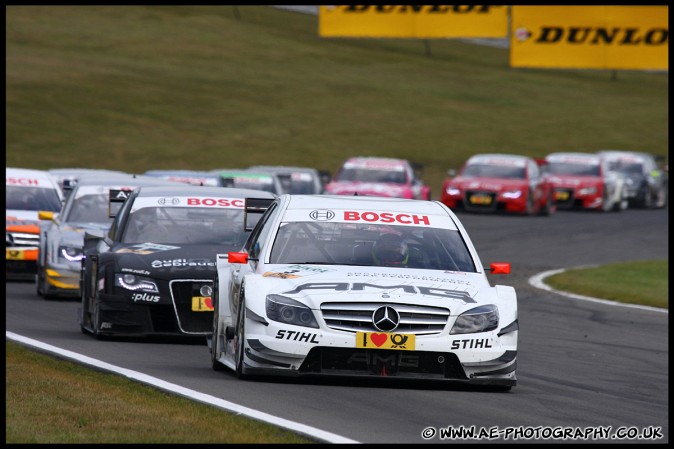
x: 385, y: 318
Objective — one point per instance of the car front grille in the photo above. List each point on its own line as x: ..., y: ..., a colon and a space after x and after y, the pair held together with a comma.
x: 190, y: 322
x: 355, y: 317
x: 21, y: 239
x: 563, y: 197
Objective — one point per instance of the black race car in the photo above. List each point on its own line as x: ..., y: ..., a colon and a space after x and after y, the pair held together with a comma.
x: 152, y: 274
x: 646, y: 181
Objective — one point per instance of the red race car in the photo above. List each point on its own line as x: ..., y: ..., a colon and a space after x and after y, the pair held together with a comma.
x: 379, y: 176
x: 584, y: 181
x: 498, y: 183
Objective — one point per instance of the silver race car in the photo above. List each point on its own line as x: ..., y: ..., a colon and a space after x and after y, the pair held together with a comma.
x: 362, y: 286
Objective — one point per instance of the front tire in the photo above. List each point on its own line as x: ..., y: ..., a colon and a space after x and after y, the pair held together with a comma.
x: 215, y: 337
x: 240, y: 339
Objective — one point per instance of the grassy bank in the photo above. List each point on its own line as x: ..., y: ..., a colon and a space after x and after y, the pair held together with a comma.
x: 157, y: 87
x: 645, y: 282
x: 48, y: 400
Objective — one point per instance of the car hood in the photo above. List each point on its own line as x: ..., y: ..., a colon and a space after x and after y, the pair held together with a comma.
x: 368, y: 188
x: 573, y: 181
x: 314, y: 285
x: 495, y: 184
x: 21, y: 215
x: 167, y: 261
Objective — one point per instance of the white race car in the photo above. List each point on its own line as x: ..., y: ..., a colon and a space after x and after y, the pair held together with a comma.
x: 362, y: 286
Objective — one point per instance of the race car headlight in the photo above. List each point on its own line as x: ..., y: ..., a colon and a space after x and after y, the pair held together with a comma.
x: 70, y: 253
x: 453, y: 191
x: 512, y: 194
x: 135, y: 283
x: 286, y: 310
x: 587, y: 191
x: 479, y: 319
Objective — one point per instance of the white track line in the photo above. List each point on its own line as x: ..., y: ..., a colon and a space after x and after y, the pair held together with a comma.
x: 537, y: 281
x: 311, y: 432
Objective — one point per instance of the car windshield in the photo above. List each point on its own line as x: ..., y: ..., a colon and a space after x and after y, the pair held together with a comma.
x: 90, y: 209
x: 493, y: 171
x: 629, y: 168
x: 567, y: 168
x: 252, y: 182
x: 356, y: 244
x: 32, y: 198
x: 361, y: 174
x: 298, y: 183
x: 187, y: 225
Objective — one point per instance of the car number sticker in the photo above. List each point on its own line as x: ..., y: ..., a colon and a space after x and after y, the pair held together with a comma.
x: 561, y: 195
x: 202, y: 304
x: 385, y: 340
x: 480, y: 199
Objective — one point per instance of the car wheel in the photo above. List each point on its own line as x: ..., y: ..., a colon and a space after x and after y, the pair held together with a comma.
x: 546, y: 210
x: 622, y: 203
x: 663, y: 199
x: 240, y: 339
x: 38, y: 282
x: 529, y: 208
x: 215, y: 337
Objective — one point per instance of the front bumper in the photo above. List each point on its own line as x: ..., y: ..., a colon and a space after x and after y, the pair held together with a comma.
x: 477, y: 359
x: 62, y: 281
x: 21, y: 262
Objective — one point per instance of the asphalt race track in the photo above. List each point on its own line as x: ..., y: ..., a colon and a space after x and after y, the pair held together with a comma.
x: 582, y: 365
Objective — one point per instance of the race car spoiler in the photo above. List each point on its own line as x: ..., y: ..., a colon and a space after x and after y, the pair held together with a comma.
x: 254, y: 206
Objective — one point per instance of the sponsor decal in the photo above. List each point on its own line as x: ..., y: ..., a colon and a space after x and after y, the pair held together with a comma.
x: 472, y: 343
x: 387, y: 217
x: 146, y: 248
x: 600, y: 35
x: 304, y: 337
x: 101, y: 284
x: 360, y: 286
x: 144, y: 297
x: 215, y: 202
x: 271, y: 274
x: 132, y: 270
x: 321, y: 215
x: 408, y: 276
x: 22, y: 181
x: 385, y: 340
x: 182, y: 263
x: 202, y: 304
x: 168, y: 201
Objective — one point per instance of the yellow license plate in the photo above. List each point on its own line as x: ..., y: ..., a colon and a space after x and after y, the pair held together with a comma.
x: 14, y: 254
x: 385, y: 340
x: 202, y: 304
x: 562, y: 195
x: 480, y: 199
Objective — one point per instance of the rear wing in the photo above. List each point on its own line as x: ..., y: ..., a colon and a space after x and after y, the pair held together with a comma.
x: 257, y: 206
x: 117, y: 198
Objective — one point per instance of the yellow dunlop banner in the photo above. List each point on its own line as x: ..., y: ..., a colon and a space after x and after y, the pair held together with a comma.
x: 413, y: 21
x: 590, y: 37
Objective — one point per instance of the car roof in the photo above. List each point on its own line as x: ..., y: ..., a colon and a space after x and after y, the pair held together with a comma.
x: 516, y: 157
x: 364, y: 202
x: 571, y: 154
x: 42, y: 178
x: 190, y: 190
x: 283, y: 169
x: 115, y: 179
x: 622, y: 153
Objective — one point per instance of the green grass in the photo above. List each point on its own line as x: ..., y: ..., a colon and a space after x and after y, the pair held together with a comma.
x: 48, y: 400
x: 158, y: 87
x: 643, y: 282
x: 135, y: 88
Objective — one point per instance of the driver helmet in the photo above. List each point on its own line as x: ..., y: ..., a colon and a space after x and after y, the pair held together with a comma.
x: 390, y: 250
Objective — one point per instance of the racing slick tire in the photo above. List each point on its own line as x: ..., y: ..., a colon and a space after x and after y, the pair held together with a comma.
x: 546, y: 210
x: 240, y: 339
x: 215, y: 338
